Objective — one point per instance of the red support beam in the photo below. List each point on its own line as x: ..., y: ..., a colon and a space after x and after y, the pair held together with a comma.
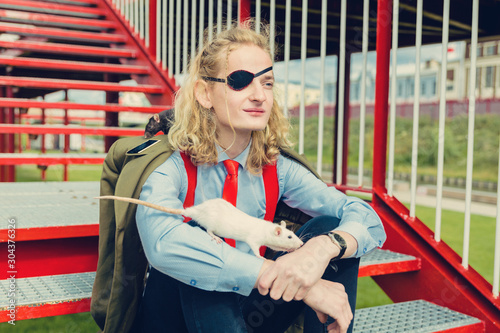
x: 48, y: 309
x: 152, y: 29
x: 244, y: 10
x: 53, y: 256
x: 383, y: 47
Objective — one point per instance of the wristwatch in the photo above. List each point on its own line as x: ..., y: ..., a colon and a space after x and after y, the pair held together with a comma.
x: 338, y: 241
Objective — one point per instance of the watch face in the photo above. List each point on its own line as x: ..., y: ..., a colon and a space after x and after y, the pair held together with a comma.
x: 340, y: 239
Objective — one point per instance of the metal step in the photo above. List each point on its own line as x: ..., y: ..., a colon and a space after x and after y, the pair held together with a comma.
x: 51, y: 8
x: 59, y: 48
x: 47, y: 295
x: 70, y: 129
x: 73, y: 66
x: 31, y: 103
x: 381, y: 262
x: 48, y: 20
x: 414, y: 316
x: 61, y: 34
x: 89, y: 3
x: 59, y: 84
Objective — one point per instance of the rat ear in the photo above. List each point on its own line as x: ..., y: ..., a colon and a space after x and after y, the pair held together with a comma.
x: 283, y: 224
x: 277, y: 231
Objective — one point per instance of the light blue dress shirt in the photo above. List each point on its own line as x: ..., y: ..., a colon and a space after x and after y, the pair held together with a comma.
x: 189, y: 254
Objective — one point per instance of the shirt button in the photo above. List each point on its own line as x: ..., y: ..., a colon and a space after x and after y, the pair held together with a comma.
x: 193, y: 282
x: 236, y: 288
x: 364, y: 250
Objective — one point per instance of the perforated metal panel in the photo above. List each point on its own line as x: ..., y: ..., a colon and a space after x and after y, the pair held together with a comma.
x: 47, y: 289
x: 43, y: 204
x: 379, y: 256
x: 415, y: 316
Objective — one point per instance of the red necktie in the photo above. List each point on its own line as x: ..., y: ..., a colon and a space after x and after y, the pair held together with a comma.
x: 230, y: 191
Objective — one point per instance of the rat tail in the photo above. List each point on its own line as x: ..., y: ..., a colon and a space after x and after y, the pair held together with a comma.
x: 144, y: 203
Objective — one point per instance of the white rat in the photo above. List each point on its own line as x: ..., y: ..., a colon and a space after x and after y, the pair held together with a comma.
x: 220, y: 217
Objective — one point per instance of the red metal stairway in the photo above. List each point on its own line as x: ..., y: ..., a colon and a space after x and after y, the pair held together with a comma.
x: 48, y: 46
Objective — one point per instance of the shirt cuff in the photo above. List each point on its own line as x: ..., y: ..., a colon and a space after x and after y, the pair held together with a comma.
x: 239, y: 273
x: 362, y: 236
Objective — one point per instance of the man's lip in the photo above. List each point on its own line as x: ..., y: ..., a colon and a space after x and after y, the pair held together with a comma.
x: 254, y: 110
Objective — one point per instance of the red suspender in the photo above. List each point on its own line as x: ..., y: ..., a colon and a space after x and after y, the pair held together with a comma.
x: 192, y: 174
x: 271, y: 186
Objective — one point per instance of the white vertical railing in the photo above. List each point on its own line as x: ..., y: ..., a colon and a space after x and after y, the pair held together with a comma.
x: 229, y: 13
x: 416, y: 108
x: 185, y: 50
x: 321, y: 111
x: 303, y: 56
x: 288, y: 15
x: 201, y: 24
x: 394, y: 84
x: 442, y: 118
x: 470, y: 133
x: 362, y: 108
x: 258, y: 7
x: 170, y: 38
x: 272, y: 25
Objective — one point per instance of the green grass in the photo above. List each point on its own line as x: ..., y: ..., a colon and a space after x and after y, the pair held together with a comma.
x: 74, y: 323
x: 30, y: 173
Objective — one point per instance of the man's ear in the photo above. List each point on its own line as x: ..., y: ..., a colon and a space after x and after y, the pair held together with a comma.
x: 202, y: 94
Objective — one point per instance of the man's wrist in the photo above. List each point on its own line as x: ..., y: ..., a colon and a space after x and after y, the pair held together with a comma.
x: 331, y: 249
x: 339, y: 242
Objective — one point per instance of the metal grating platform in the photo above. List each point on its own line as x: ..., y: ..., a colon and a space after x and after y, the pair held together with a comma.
x: 41, y: 290
x: 415, y: 316
x: 43, y: 204
x: 379, y: 256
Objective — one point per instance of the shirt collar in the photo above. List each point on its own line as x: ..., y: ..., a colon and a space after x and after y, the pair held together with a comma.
x: 241, y: 158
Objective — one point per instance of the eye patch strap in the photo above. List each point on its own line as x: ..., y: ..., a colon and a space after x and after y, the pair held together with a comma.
x: 263, y: 71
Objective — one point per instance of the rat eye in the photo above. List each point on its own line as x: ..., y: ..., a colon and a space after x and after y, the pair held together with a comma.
x: 289, y: 237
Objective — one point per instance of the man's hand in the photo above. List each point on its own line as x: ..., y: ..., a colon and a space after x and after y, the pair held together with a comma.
x: 328, y: 298
x: 294, y: 274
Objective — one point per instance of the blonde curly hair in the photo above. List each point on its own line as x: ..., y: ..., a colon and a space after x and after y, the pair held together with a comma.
x: 195, y: 131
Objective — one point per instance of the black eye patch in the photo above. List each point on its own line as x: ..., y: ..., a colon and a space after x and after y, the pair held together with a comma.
x: 238, y: 80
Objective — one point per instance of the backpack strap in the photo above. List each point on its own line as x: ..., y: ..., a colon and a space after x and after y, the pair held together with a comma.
x: 192, y: 175
x: 271, y: 186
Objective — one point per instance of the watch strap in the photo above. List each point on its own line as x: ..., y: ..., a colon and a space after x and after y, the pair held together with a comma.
x: 338, y: 241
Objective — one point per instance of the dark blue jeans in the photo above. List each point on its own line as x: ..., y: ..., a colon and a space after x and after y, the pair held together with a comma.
x: 172, y: 306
